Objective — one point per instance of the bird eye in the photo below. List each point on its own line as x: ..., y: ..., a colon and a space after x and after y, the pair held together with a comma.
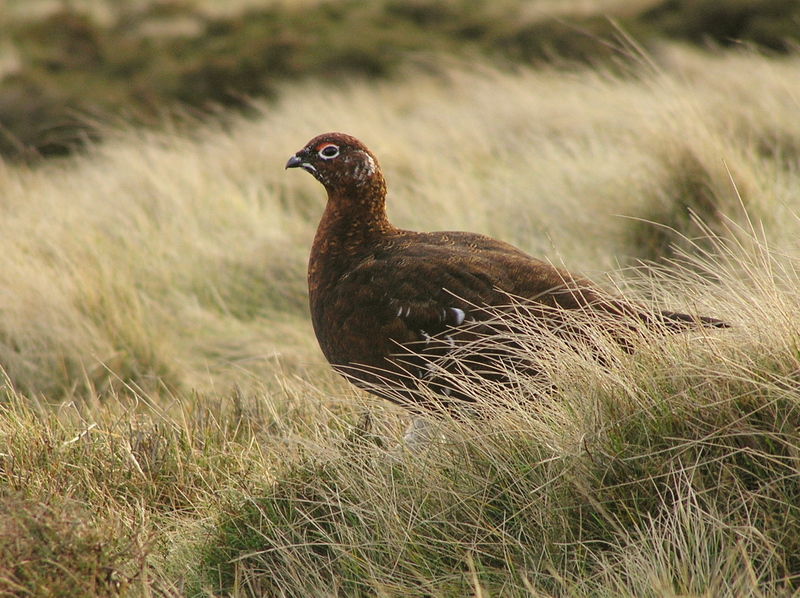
x: 328, y: 152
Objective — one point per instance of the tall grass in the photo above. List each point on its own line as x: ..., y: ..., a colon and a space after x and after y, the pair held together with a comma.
x: 169, y: 424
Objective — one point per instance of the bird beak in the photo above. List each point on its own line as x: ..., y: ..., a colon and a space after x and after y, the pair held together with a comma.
x: 298, y: 162
x: 294, y: 162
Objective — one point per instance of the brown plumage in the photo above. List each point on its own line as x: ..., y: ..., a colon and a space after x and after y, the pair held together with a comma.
x: 388, y: 305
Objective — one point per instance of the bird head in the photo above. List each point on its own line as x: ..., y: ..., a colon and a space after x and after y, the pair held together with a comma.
x: 337, y: 161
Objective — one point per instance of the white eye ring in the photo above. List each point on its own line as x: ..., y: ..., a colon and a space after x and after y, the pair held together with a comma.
x: 329, y: 152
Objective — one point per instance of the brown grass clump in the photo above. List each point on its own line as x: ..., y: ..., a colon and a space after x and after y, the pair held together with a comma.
x: 56, y: 549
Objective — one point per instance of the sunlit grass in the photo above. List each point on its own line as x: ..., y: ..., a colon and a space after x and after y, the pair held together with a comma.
x: 653, y: 474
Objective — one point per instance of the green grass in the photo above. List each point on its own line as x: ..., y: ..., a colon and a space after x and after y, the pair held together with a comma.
x: 169, y: 427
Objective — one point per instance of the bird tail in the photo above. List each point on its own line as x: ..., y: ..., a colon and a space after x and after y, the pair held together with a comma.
x: 677, y: 321
x: 673, y: 321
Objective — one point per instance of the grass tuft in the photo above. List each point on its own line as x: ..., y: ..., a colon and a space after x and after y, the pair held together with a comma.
x: 663, y: 458
x: 60, y: 549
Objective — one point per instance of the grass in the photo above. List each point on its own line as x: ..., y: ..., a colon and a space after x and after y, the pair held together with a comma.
x: 168, y: 426
x: 66, y: 68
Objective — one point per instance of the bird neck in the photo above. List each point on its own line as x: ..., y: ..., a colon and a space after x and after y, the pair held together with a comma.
x: 353, y: 225
x: 354, y: 219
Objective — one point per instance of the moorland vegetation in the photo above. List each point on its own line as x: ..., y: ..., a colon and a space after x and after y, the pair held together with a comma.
x: 168, y: 426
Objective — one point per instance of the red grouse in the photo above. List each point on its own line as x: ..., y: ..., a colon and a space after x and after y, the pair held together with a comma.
x: 388, y: 305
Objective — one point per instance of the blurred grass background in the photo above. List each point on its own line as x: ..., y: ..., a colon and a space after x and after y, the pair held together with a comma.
x: 168, y: 426
x: 67, y: 66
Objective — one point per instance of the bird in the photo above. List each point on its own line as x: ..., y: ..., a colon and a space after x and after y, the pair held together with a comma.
x: 401, y: 313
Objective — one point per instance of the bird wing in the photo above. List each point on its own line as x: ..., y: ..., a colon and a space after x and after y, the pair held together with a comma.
x: 415, y: 303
